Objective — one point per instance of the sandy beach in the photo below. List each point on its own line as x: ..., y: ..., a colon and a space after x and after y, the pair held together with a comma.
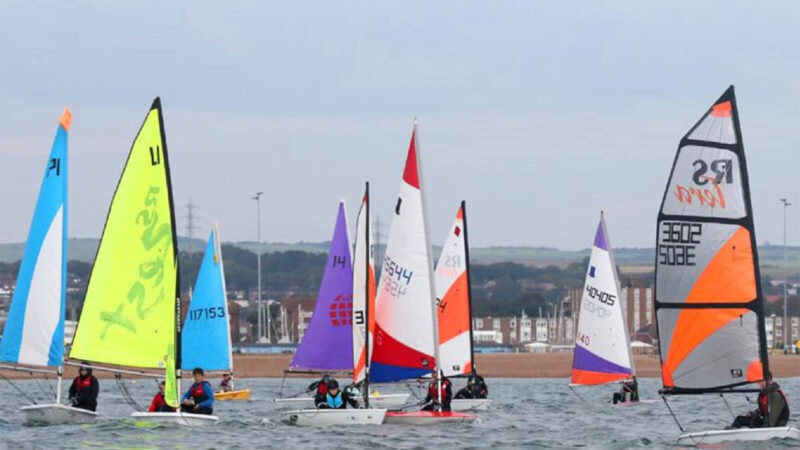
x: 501, y: 365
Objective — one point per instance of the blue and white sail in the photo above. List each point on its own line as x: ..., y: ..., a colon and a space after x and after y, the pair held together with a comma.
x: 34, y: 331
x: 206, y: 334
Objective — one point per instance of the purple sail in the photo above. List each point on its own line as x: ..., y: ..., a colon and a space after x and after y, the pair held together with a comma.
x: 328, y: 341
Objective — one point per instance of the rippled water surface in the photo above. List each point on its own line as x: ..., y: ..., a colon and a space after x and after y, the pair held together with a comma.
x: 524, y: 413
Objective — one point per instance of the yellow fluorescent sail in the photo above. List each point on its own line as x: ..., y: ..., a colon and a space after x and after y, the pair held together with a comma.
x: 128, y: 315
x: 171, y: 391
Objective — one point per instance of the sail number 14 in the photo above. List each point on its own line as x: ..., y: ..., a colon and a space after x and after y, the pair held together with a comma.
x: 217, y: 312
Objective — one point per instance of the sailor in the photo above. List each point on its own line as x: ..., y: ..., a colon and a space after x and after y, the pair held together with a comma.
x: 199, y: 399
x: 159, y: 404
x: 320, y: 388
x: 475, y: 388
x: 84, y: 389
x: 434, y: 394
x: 335, y: 398
x: 629, y: 391
x: 773, y: 409
x: 226, y: 385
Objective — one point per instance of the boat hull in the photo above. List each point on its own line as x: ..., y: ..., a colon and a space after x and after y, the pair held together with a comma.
x: 178, y: 418
x: 56, y: 414
x: 470, y: 404
x: 381, y: 401
x: 239, y: 394
x: 739, y: 434
x: 333, y: 417
x: 428, y: 417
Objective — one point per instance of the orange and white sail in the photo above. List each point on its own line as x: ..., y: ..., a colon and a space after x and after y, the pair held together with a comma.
x: 363, y: 291
x: 405, y: 317
x: 453, y: 301
x: 709, y: 304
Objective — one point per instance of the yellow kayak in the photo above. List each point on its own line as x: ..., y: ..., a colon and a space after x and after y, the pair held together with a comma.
x: 239, y: 394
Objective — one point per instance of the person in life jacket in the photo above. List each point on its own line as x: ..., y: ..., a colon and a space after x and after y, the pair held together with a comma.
x: 226, y: 385
x: 320, y: 388
x: 335, y: 398
x: 159, y: 404
x: 432, y: 402
x: 475, y: 388
x: 772, y: 411
x: 199, y: 399
x: 628, y: 392
x: 83, y: 390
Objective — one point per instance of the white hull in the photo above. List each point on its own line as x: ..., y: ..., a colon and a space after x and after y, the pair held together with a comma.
x: 383, y: 401
x: 56, y: 414
x: 333, y: 417
x: 740, y: 434
x: 470, y: 404
x: 179, y: 418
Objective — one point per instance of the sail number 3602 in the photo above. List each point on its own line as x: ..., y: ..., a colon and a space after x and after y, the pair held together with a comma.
x: 217, y: 312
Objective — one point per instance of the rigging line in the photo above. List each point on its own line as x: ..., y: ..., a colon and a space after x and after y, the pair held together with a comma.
x: 23, y: 394
x: 39, y: 385
x: 729, y: 406
x: 663, y: 397
x: 576, y: 395
x: 126, y: 395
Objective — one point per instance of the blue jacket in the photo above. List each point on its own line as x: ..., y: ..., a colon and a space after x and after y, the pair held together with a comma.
x: 207, y: 390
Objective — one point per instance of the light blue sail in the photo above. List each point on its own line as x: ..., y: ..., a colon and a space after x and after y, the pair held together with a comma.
x: 206, y: 336
x: 34, y: 332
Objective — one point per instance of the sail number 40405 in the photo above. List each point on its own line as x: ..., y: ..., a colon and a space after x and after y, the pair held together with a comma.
x: 217, y: 312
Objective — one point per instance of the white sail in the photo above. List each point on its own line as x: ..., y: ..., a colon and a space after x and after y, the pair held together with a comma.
x: 363, y: 291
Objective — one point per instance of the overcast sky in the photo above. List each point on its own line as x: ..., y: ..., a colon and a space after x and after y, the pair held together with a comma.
x: 539, y: 114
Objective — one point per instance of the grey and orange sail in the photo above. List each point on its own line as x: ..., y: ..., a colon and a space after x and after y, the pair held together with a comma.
x: 708, y: 298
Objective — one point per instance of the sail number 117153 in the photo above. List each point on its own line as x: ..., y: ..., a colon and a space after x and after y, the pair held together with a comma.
x: 217, y: 312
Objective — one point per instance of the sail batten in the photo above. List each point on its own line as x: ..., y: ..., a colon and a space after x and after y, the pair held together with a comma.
x: 708, y: 298
x: 131, y: 309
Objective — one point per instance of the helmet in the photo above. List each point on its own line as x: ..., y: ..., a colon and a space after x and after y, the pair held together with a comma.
x: 332, y: 384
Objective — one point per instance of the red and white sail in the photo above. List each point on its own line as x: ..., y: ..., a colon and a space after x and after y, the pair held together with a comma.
x: 405, y: 322
x: 452, y: 299
x: 363, y: 291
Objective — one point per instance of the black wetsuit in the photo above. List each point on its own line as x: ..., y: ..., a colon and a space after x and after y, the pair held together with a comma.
x: 83, y: 391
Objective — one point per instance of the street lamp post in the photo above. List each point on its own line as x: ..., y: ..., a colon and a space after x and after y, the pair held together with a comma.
x: 257, y: 198
x: 785, y: 326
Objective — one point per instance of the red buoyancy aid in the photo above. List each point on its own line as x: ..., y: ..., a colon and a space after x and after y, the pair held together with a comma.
x: 197, y: 392
x: 83, y: 383
x: 322, y: 389
x: 432, y: 390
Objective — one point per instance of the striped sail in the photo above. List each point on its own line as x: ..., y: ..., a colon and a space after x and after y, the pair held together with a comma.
x: 405, y: 325
x: 363, y: 291
x: 602, y: 347
x: 34, y: 331
x: 129, y: 312
x: 328, y: 341
x: 453, y: 303
x: 206, y: 333
x: 709, y: 306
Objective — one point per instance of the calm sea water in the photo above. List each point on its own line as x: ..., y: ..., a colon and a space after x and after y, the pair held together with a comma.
x: 540, y: 413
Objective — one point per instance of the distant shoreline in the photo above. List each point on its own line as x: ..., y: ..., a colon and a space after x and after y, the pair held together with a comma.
x: 498, y: 365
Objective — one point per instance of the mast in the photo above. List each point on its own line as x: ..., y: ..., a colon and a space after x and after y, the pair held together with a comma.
x: 366, y: 297
x: 469, y: 287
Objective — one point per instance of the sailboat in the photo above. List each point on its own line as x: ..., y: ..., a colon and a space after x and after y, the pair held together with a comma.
x: 602, y: 345
x: 327, y: 345
x: 206, y: 332
x: 454, y: 301
x: 131, y: 312
x: 708, y: 299
x: 406, y: 326
x: 33, y: 338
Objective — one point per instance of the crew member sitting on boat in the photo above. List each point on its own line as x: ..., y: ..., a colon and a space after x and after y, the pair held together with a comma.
x: 432, y: 399
x: 84, y: 389
x: 335, y: 398
x: 629, y: 392
x: 475, y: 388
x: 199, y: 399
x: 159, y: 403
x: 320, y: 387
x: 226, y: 385
x: 773, y: 409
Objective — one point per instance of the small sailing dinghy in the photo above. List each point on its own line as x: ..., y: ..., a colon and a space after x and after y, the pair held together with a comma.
x: 206, y: 332
x: 33, y: 338
x: 131, y: 312
x: 709, y: 304
x: 454, y: 301
x: 327, y: 344
x: 602, y: 345
x: 406, y: 330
